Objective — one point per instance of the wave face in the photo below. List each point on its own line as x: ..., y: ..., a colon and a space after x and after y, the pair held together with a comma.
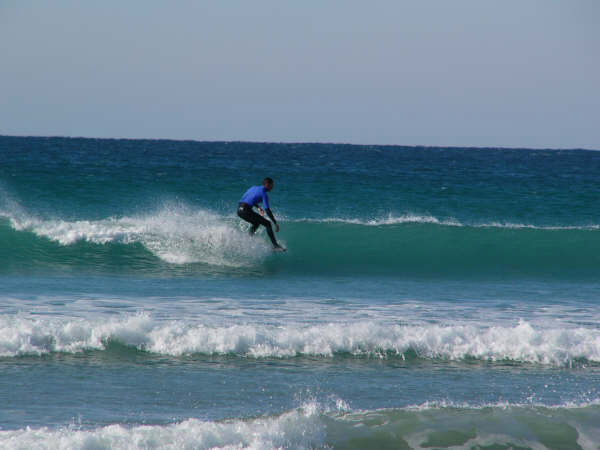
x: 431, y: 247
x: 313, y: 426
x: 556, y: 346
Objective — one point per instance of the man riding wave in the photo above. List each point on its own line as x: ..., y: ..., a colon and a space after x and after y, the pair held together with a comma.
x: 251, y: 198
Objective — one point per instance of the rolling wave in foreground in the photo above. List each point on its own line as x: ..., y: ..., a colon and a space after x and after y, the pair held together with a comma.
x: 314, y: 426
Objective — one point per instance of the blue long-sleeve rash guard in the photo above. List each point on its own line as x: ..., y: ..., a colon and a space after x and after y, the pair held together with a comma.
x: 254, y: 195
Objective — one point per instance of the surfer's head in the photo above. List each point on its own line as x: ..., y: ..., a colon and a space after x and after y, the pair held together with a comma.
x: 268, y: 183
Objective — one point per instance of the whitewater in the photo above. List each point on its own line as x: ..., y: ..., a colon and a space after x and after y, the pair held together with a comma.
x: 429, y: 297
x: 557, y: 346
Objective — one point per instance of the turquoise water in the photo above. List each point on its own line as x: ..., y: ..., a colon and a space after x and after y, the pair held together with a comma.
x: 429, y: 298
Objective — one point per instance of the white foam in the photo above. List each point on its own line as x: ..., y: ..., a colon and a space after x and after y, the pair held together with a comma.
x: 389, y: 220
x: 522, y: 342
x: 174, y: 233
x: 300, y: 429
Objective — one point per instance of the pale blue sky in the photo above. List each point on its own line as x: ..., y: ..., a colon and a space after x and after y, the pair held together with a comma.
x: 506, y: 73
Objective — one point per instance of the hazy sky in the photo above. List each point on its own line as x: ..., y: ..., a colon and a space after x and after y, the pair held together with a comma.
x: 513, y: 73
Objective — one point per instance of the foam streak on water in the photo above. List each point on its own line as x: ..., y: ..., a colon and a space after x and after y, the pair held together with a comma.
x: 392, y: 219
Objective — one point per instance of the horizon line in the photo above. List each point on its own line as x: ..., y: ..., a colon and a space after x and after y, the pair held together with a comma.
x: 308, y: 142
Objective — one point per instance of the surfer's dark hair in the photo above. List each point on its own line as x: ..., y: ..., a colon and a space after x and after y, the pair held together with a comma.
x: 268, y: 180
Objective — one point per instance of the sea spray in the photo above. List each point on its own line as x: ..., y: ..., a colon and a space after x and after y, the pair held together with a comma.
x: 173, y: 233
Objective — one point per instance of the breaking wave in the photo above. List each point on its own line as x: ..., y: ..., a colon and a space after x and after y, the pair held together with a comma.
x: 174, y: 234
x: 523, y: 342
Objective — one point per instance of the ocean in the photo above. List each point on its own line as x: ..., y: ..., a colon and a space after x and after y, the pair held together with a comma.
x: 429, y: 297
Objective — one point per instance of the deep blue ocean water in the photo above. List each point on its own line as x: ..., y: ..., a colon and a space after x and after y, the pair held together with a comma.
x: 429, y: 297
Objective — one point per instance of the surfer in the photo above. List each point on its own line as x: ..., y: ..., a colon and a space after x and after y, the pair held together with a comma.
x: 250, y: 199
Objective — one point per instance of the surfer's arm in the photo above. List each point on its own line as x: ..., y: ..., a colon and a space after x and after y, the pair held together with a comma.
x: 265, y: 201
x: 272, y: 217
